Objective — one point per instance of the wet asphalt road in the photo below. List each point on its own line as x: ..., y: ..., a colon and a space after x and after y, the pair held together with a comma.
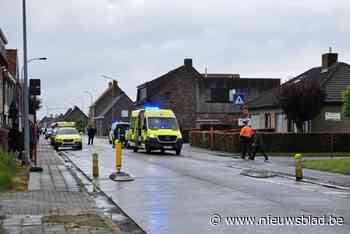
x: 179, y: 194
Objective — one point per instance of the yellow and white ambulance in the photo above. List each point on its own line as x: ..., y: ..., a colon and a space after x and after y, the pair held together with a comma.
x: 154, y: 129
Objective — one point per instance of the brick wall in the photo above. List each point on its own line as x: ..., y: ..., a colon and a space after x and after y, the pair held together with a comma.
x: 179, y: 95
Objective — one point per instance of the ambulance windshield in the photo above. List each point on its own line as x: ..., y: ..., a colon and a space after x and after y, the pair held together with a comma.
x: 162, y: 123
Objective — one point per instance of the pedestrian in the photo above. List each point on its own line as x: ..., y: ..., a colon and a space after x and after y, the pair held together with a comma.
x: 13, y: 137
x: 258, y: 146
x: 91, y: 135
x: 245, y: 139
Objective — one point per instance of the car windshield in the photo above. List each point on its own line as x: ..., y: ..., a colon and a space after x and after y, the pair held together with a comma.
x: 124, y: 126
x: 162, y: 123
x: 67, y: 131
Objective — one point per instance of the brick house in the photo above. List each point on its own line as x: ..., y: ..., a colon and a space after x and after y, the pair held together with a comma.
x: 113, y: 103
x: 334, y: 78
x: 76, y: 115
x: 199, y: 98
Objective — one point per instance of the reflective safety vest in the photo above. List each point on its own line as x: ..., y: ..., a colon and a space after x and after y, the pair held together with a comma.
x: 247, y: 131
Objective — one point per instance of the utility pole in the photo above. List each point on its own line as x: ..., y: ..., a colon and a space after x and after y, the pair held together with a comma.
x: 26, y: 100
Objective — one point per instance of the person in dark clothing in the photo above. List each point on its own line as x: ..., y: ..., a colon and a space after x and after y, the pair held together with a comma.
x: 258, y: 146
x: 13, y: 138
x: 245, y: 139
x: 91, y: 134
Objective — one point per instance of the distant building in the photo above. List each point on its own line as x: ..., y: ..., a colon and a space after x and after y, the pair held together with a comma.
x: 76, y: 115
x: 199, y: 99
x: 334, y: 78
x: 113, y: 99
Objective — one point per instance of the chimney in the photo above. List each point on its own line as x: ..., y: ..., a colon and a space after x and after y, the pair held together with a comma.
x: 188, y: 62
x: 329, y: 59
x: 109, y: 84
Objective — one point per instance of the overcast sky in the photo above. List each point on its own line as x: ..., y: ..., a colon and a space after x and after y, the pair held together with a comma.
x: 138, y: 40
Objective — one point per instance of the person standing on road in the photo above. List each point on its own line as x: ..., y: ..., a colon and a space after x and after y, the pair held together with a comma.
x: 245, y: 139
x: 258, y: 145
x: 91, y: 135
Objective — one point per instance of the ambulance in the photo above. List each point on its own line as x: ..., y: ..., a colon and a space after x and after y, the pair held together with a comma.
x: 154, y: 129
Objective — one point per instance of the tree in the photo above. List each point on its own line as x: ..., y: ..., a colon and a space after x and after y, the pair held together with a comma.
x: 81, y: 125
x: 301, y: 101
x: 34, y: 106
x: 346, y: 103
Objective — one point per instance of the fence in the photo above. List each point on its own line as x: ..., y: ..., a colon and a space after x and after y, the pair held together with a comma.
x: 274, y: 142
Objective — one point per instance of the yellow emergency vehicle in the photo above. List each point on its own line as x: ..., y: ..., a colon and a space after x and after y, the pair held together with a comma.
x: 66, y: 135
x: 154, y: 129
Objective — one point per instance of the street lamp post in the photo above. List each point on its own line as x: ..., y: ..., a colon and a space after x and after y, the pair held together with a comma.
x: 25, y: 88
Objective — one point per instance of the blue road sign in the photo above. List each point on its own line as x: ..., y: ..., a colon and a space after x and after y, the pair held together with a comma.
x: 238, y: 99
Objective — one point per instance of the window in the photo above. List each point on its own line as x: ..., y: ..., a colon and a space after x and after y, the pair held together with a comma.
x: 125, y: 113
x: 279, y: 122
x: 267, y: 120
x: 254, y: 121
x: 220, y: 95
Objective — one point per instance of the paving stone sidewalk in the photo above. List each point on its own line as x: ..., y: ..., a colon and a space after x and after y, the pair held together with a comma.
x: 51, y: 192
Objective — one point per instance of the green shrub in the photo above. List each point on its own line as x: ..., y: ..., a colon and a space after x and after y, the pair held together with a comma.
x: 7, y: 169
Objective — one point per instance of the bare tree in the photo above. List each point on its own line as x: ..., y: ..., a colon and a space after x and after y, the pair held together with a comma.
x: 301, y: 101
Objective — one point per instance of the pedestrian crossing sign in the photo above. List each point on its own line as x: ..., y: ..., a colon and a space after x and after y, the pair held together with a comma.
x: 239, y: 99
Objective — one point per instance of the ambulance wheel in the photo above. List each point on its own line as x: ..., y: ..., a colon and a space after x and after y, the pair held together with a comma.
x: 148, y: 149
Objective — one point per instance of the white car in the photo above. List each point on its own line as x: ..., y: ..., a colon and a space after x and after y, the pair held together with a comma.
x: 124, y: 125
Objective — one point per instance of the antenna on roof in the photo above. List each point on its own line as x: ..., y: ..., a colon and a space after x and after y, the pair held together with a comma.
x: 330, y: 49
x: 206, y: 72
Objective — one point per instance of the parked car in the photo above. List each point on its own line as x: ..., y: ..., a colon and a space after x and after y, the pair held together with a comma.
x: 119, y: 131
x: 48, y: 133
x: 68, y: 137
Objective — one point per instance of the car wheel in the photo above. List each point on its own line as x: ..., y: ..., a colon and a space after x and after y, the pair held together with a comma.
x: 56, y: 148
x: 135, y: 149
x: 162, y: 151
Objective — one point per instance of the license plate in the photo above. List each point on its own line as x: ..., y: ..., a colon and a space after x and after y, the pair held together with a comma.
x: 167, y: 147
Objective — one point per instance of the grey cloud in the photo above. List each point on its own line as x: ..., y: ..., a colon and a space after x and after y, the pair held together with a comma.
x: 137, y: 40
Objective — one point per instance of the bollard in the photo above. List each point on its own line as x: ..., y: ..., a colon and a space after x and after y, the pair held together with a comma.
x: 118, y: 155
x: 298, y: 167
x: 95, y: 169
x: 119, y: 175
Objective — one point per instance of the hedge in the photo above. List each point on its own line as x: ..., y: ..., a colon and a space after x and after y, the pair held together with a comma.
x: 275, y: 142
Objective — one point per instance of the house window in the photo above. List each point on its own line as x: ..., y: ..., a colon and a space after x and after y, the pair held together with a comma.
x: 125, y: 113
x: 220, y: 95
x: 279, y: 122
x: 254, y: 121
x: 267, y: 120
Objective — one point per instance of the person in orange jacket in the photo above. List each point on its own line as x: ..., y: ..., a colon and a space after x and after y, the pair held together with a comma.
x: 245, y: 139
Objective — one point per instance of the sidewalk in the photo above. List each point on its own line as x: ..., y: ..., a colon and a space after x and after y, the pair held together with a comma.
x: 278, y: 164
x: 54, y: 202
